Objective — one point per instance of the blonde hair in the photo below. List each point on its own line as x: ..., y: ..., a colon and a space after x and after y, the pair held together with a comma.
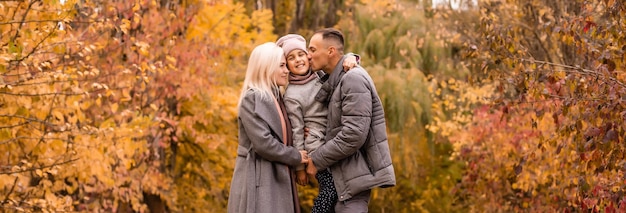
x: 263, y: 63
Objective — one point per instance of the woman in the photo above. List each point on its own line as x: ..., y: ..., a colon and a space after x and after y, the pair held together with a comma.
x: 263, y: 180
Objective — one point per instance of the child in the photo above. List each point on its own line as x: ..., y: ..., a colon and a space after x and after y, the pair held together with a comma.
x: 304, y: 111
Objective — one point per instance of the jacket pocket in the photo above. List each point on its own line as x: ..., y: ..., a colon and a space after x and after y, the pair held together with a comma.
x: 355, y: 166
x: 376, y: 150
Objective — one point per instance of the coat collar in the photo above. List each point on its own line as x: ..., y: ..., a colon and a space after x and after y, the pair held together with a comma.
x: 331, y: 82
x: 266, y: 110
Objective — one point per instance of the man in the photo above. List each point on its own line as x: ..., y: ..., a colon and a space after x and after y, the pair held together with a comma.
x: 356, y: 150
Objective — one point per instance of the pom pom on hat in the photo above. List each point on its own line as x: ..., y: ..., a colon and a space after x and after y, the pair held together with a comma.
x: 291, y: 42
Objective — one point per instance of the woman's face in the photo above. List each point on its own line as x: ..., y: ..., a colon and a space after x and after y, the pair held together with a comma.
x: 281, y: 75
x: 298, y: 62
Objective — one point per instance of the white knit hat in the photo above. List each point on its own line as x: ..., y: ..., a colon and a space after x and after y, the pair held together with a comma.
x: 291, y: 42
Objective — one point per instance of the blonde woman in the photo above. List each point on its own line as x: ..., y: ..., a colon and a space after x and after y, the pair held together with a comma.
x: 263, y: 179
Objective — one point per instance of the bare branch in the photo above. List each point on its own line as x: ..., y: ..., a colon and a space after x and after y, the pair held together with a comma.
x: 6, y: 198
x: 34, y: 138
x: 30, y: 21
x: 43, y: 136
x: 578, y: 69
x: 17, y: 32
x: 35, y: 48
x: 13, y: 126
x: 45, y: 94
x: 84, y: 79
x: 41, y: 167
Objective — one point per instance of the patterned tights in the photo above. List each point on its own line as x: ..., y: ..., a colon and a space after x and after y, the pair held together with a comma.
x: 327, y: 197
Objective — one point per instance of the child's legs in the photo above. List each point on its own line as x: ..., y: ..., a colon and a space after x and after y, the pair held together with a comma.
x: 327, y: 197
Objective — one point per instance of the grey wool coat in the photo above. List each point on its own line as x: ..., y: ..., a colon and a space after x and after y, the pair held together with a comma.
x: 356, y: 148
x: 261, y: 180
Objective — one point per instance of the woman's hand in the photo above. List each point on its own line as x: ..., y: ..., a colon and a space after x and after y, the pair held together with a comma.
x: 305, y: 157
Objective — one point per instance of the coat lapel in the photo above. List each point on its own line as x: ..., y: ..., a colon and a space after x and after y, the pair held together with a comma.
x: 266, y: 109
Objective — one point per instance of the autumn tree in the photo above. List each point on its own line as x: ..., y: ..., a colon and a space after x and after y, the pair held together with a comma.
x: 120, y: 105
x: 549, y: 139
x: 300, y: 16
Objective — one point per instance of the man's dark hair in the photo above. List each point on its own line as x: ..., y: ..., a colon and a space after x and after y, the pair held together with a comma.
x: 333, y: 35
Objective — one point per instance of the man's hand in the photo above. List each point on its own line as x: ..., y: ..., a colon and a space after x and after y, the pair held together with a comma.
x: 310, y: 168
x: 302, y: 178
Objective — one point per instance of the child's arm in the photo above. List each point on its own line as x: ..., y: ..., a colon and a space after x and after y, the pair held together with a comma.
x: 351, y: 61
x: 296, y: 117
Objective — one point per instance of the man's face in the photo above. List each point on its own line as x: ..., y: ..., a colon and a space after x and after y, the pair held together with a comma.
x: 318, y: 53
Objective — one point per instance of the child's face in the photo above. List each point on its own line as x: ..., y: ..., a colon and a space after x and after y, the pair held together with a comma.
x: 298, y: 62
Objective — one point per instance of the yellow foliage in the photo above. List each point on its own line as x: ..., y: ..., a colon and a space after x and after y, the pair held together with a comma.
x: 230, y: 30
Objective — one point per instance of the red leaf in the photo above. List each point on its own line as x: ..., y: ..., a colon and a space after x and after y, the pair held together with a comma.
x: 610, y: 208
x: 588, y: 25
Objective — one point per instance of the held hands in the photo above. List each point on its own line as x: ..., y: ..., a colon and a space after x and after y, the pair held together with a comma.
x: 310, y: 168
x: 301, y: 175
x: 302, y: 178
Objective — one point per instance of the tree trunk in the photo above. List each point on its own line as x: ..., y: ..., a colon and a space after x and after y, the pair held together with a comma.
x: 298, y: 16
x: 154, y: 203
x: 331, y: 14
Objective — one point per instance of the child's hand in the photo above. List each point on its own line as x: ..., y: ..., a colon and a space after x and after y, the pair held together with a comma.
x: 302, y: 178
x: 350, y: 62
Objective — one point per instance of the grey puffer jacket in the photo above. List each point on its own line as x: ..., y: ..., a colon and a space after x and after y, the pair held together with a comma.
x: 356, y: 148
